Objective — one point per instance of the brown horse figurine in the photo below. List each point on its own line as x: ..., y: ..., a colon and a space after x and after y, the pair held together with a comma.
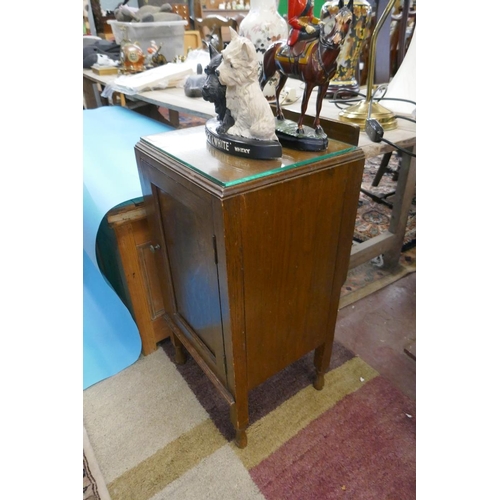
x: 315, y: 65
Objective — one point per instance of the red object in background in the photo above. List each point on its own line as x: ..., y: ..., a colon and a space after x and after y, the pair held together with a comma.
x: 299, y: 9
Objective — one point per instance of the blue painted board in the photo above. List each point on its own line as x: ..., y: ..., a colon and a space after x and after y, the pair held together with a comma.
x: 111, y: 340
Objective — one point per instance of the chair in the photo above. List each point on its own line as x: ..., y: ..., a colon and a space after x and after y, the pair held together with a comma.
x: 383, y: 168
x: 182, y: 9
x: 400, y: 38
x: 239, y: 18
x: 214, y: 29
x: 192, y: 41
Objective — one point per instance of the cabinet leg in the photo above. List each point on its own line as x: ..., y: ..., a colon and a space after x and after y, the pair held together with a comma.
x: 322, y: 356
x: 180, y: 357
x: 319, y: 381
x: 239, y: 419
x: 241, y: 438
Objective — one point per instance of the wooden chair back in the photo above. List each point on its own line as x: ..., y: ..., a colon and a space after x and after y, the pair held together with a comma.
x: 214, y: 29
x: 182, y: 9
x: 401, y: 35
x: 399, y: 39
x: 192, y: 41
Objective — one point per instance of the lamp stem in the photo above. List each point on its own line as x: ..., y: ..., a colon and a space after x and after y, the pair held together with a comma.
x: 358, y: 113
x: 373, y: 46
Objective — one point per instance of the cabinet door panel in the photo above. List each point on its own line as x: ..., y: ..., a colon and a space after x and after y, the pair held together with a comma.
x: 187, y: 224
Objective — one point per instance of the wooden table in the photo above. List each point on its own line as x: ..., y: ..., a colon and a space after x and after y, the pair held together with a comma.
x: 390, y: 242
x: 93, y: 85
x: 173, y: 99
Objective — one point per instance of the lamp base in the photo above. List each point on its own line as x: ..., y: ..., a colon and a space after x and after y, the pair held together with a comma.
x: 358, y: 113
x: 342, y: 89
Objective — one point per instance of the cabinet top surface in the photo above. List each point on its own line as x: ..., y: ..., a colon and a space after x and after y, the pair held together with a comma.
x: 190, y: 148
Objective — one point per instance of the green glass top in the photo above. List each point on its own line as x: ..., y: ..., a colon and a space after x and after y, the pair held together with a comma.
x: 189, y: 146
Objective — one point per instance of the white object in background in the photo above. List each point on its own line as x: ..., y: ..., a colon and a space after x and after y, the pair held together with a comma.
x: 103, y: 60
x: 404, y: 83
x: 162, y: 77
x: 264, y: 25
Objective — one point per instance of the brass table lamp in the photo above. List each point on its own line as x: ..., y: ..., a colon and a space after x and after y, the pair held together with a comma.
x: 358, y: 113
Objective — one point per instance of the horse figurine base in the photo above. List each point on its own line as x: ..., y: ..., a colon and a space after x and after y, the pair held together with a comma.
x: 241, y: 146
x: 307, y: 140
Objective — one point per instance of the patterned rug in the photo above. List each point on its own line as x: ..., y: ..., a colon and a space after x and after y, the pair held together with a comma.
x: 368, y: 277
x: 373, y: 217
x: 94, y: 486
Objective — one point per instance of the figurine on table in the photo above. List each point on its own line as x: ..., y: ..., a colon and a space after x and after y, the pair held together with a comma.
x: 213, y: 91
x: 301, y: 18
x: 245, y: 124
x: 312, y: 59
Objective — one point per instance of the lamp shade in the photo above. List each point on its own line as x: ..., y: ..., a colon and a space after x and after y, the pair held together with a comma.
x: 404, y: 83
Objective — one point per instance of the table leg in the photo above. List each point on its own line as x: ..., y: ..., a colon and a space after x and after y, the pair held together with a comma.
x: 90, y: 94
x: 120, y: 99
x: 405, y: 191
x: 173, y: 118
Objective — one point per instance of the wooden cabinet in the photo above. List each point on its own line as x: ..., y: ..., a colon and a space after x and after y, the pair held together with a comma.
x: 253, y: 255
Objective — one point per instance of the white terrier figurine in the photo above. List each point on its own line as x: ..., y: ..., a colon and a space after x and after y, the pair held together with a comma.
x: 239, y: 71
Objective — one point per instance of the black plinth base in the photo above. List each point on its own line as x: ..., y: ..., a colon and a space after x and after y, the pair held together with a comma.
x: 240, y: 146
x: 286, y: 130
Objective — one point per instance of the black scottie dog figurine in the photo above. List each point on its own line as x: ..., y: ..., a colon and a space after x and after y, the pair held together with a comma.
x: 214, y: 91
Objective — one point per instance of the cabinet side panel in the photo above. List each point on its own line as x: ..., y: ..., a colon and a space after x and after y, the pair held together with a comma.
x: 290, y: 234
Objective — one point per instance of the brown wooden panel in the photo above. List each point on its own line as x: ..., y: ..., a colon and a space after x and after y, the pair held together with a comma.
x: 289, y: 274
x: 140, y: 275
x: 149, y: 272
x: 187, y: 224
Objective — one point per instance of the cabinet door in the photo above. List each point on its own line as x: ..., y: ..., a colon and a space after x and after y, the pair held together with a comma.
x: 186, y: 220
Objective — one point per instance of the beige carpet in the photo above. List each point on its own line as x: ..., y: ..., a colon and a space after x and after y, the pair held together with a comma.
x: 143, y: 415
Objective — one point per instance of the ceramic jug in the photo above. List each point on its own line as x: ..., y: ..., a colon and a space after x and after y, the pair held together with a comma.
x: 263, y: 25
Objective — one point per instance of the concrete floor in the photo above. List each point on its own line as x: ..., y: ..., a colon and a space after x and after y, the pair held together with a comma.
x: 381, y: 329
